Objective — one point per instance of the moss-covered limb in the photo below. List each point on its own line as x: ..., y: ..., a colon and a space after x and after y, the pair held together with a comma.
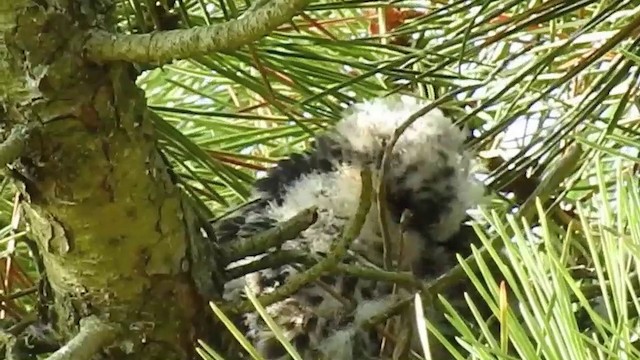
x: 333, y: 258
x: 93, y: 336
x: 275, y: 236
x: 164, y: 46
x: 112, y: 228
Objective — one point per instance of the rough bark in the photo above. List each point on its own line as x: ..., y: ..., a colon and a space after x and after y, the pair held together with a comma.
x: 115, y: 236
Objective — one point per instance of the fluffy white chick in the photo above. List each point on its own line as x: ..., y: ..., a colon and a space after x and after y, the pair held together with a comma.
x: 430, y: 177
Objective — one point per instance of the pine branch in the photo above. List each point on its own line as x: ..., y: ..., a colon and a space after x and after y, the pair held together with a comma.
x: 164, y: 46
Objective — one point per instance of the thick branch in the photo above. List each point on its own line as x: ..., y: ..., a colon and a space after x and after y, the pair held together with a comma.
x: 164, y: 46
x: 92, y: 337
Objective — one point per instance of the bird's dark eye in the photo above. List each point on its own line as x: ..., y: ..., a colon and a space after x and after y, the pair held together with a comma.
x: 378, y: 247
x: 315, y: 300
x: 366, y: 292
x: 349, y: 285
x: 301, y: 341
x: 311, y: 323
x: 329, y: 280
x: 272, y: 349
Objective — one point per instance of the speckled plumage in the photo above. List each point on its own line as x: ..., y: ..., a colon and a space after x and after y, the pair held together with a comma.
x: 430, y: 176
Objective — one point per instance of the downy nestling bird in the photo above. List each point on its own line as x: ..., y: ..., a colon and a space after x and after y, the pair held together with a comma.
x: 430, y: 176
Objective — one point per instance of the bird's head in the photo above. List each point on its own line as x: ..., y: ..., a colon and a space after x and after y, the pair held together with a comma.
x: 430, y: 172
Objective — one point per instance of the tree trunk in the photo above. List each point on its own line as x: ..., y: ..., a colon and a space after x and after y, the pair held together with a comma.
x: 116, y: 238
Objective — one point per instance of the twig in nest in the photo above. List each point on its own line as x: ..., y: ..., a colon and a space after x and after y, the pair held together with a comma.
x: 385, y: 165
x: 406, y: 215
x: 274, y: 260
x: 275, y: 236
x: 402, y: 278
x: 333, y: 258
x: 390, y: 311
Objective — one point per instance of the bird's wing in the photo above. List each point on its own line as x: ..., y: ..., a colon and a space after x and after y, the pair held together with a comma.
x: 321, y: 157
x: 243, y: 222
x: 250, y: 218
